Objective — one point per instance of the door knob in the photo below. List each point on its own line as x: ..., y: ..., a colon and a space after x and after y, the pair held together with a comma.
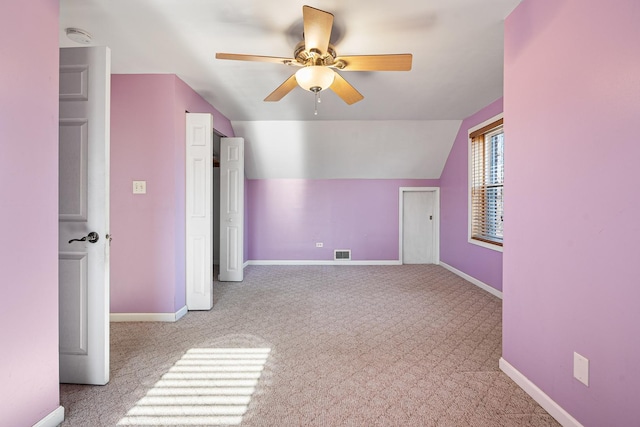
x: 91, y: 238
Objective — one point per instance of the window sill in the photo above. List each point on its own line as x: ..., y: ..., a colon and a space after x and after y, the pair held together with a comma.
x: 486, y: 245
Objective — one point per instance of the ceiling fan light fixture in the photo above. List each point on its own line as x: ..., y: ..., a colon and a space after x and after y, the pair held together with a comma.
x: 318, y: 59
x: 315, y: 78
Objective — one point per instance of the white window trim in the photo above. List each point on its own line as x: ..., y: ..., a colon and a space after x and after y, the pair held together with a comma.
x: 476, y: 242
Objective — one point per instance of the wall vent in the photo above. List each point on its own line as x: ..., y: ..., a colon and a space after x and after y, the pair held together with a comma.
x: 342, y: 254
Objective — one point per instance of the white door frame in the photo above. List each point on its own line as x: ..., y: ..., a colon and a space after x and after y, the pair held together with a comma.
x: 436, y: 220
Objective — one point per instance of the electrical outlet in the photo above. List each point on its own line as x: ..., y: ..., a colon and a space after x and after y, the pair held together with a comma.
x: 319, y: 244
x: 139, y: 187
x: 581, y: 368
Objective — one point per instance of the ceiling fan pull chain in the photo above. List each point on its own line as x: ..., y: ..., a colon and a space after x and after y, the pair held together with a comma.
x: 315, y: 104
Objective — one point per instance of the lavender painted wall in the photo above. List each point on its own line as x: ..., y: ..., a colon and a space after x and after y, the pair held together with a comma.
x: 455, y: 250
x: 29, y: 388
x: 288, y: 216
x: 147, y: 143
x: 572, y: 102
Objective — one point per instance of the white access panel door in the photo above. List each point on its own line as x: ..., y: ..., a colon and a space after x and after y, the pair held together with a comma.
x: 199, y: 214
x: 85, y: 77
x: 418, y: 227
x: 231, y: 209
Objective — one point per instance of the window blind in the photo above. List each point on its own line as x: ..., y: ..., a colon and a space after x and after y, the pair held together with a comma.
x: 487, y: 177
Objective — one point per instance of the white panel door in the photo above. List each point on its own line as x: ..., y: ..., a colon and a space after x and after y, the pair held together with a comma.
x: 231, y: 209
x: 418, y: 227
x: 85, y: 89
x: 199, y: 215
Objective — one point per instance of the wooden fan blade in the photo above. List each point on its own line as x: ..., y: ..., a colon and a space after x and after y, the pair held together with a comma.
x: 283, y: 89
x: 317, y: 29
x: 399, y: 62
x: 344, y: 90
x: 256, y: 58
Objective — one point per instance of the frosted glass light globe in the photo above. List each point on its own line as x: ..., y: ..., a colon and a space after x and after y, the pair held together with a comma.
x: 314, y: 76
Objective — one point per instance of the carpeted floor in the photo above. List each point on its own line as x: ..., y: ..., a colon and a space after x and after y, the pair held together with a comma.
x: 316, y: 346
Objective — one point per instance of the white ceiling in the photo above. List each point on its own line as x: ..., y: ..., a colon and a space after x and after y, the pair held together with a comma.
x: 377, y: 149
x: 457, y: 48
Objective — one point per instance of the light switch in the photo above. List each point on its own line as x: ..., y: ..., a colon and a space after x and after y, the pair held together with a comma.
x: 139, y: 187
x: 581, y: 368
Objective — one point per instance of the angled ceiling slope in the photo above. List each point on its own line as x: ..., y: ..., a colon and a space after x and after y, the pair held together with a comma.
x: 457, y: 48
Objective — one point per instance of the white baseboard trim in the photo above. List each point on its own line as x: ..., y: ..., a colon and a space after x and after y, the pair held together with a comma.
x: 54, y: 419
x: 148, y: 317
x: 555, y: 410
x: 180, y: 313
x: 246, y: 263
x: 493, y: 291
x: 316, y: 262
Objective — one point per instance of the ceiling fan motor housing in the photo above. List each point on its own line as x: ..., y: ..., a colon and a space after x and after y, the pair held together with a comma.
x: 315, y: 57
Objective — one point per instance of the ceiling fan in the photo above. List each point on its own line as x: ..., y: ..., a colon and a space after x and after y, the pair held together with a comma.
x: 318, y: 61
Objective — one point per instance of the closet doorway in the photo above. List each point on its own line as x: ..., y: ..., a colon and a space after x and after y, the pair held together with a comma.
x: 216, y: 203
x: 229, y: 235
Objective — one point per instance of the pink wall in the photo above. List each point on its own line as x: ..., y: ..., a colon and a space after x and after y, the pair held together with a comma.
x: 455, y: 250
x: 29, y: 388
x: 188, y: 100
x: 572, y: 103
x: 288, y: 216
x: 147, y: 143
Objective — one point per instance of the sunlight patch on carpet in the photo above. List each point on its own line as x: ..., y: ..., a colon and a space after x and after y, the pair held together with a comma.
x: 207, y: 386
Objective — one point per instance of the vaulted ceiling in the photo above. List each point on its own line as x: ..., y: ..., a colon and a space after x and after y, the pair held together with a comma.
x: 457, y: 48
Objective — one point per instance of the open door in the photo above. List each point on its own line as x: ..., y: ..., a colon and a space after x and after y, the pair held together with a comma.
x: 85, y: 90
x: 231, y: 209
x: 199, y: 215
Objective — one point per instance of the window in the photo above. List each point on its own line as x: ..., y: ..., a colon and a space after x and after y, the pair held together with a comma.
x: 486, y: 181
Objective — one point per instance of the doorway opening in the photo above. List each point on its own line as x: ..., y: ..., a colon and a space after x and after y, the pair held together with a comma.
x: 216, y: 202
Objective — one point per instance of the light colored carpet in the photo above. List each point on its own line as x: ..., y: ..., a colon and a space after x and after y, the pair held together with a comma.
x: 410, y: 345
